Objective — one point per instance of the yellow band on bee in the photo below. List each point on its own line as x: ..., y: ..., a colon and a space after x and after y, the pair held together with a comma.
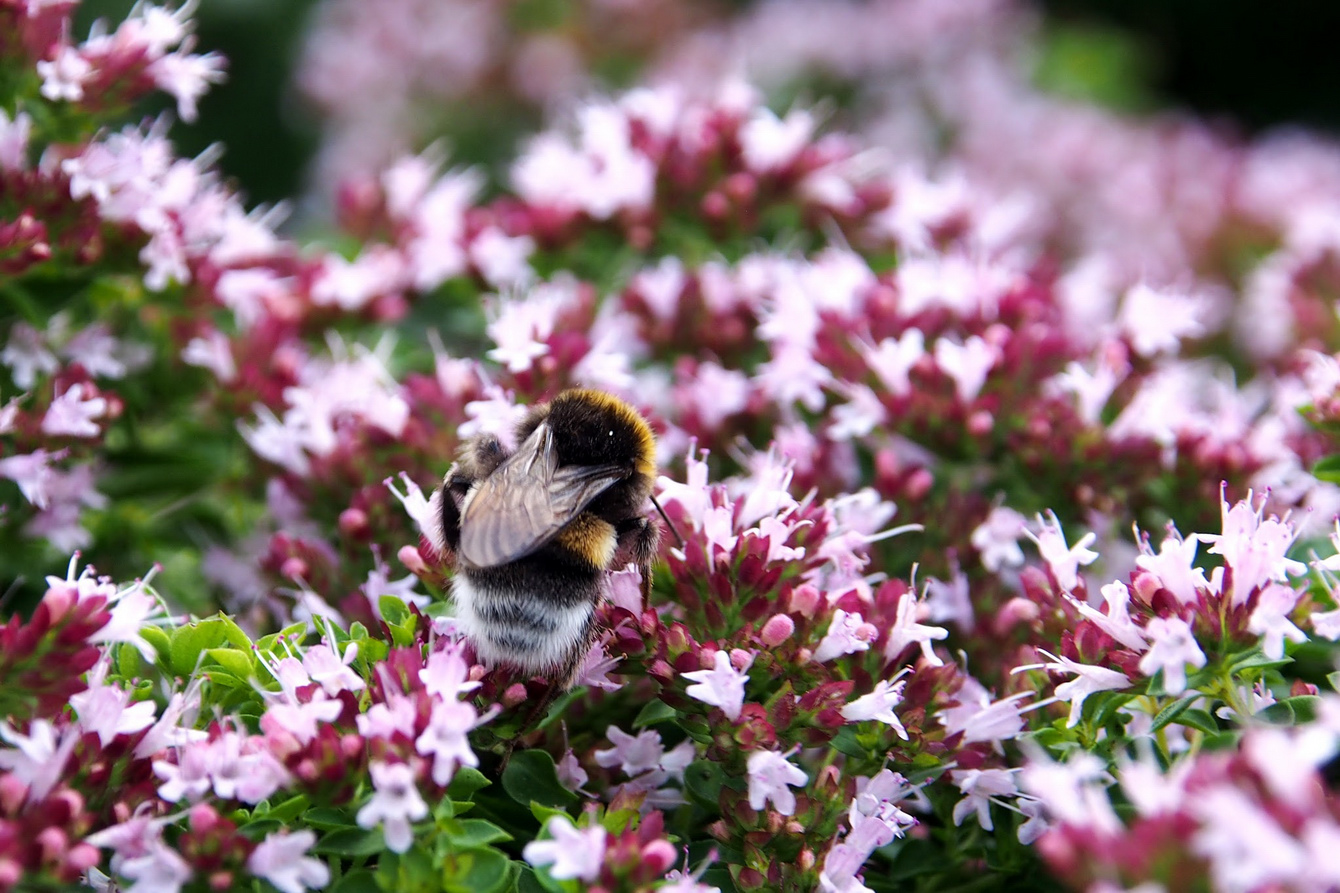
x: 592, y: 539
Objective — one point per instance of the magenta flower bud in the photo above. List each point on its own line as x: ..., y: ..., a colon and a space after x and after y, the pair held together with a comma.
x: 82, y: 857
x: 204, y: 818
x: 715, y: 206
x: 515, y: 694
x: 11, y: 872
x: 411, y: 558
x: 980, y: 423
x: 51, y: 843
x: 294, y: 568
x: 740, y: 659
x: 13, y: 792
x: 777, y: 630
x: 354, y: 522
x: 658, y: 856
x: 918, y: 484
x: 804, y: 599
x: 1015, y: 611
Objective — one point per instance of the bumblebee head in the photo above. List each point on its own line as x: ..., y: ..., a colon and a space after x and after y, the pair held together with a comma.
x: 594, y: 428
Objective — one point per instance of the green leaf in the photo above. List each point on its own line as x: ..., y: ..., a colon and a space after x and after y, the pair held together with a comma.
x: 128, y: 661
x: 351, y: 843
x: 159, y: 639
x: 393, y: 610
x: 234, y: 661
x: 474, y: 832
x: 1291, y: 711
x: 327, y: 818
x: 476, y: 870
x: 1173, y: 710
x: 189, y: 643
x: 360, y: 880
x: 528, y: 882
x: 233, y: 633
x: 465, y: 782
x: 1328, y: 469
x: 653, y: 712
x: 287, y: 811
x: 1334, y: 680
x: 1114, y: 701
x: 1199, y: 719
x: 703, y: 780
x: 532, y: 777
x: 1255, y: 659
x: 846, y: 741
x: 544, y: 813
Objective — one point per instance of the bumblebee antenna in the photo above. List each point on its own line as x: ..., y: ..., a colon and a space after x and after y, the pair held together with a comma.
x: 679, y: 540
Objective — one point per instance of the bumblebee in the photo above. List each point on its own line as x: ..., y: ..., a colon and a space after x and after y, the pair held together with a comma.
x: 535, y: 531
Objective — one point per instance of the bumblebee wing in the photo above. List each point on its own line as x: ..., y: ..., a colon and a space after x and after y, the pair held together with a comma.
x: 526, y: 501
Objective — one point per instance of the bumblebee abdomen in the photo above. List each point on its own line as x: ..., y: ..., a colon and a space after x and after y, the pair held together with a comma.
x: 533, y: 613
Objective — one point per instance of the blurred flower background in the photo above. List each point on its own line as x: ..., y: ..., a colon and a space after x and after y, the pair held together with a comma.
x: 992, y: 353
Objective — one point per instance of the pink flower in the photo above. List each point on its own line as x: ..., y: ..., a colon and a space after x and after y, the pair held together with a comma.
x: 446, y: 674
x: 187, y: 77
x: 967, y: 364
x: 1270, y: 620
x: 281, y: 859
x: 634, y: 754
x: 572, y: 853
x: 771, y: 777
x: 1245, y: 845
x: 1074, y: 792
x: 158, y: 869
x: 981, y: 719
x: 1255, y: 549
x: 27, y: 356
x: 997, y: 539
x: 63, y: 77
x: 521, y: 327
x: 1088, y: 680
x: 722, y: 686
x: 906, y: 631
x: 848, y: 633
x: 395, y: 804
x: 331, y: 672
x: 72, y: 413
x: 892, y: 360
x: 14, y: 148
x: 32, y: 472
x: 769, y: 143
x: 978, y: 787
x: 878, y: 706
x: 1157, y: 321
x: 1117, y: 622
x: 1064, y: 561
x: 37, y: 760
x: 1175, y: 569
x: 1171, y: 647
x: 106, y: 711
x: 447, y: 739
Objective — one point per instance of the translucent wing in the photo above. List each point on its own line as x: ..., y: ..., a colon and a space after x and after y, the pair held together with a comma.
x: 526, y: 501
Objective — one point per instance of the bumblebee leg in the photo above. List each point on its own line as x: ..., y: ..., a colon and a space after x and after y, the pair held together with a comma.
x: 447, y: 506
x: 639, y: 539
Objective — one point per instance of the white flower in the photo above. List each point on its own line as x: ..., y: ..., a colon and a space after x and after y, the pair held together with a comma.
x: 997, y: 538
x: 72, y: 413
x: 878, y: 705
x: 967, y: 364
x: 281, y: 859
x: 1270, y: 620
x: 1064, y: 561
x: 771, y: 777
x: 1088, y: 680
x: 906, y: 631
x: 394, y: 805
x: 848, y: 633
x: 978, y: 787
x: 1171, y: 647
x: 722, y: 686
x: 573, y: 853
